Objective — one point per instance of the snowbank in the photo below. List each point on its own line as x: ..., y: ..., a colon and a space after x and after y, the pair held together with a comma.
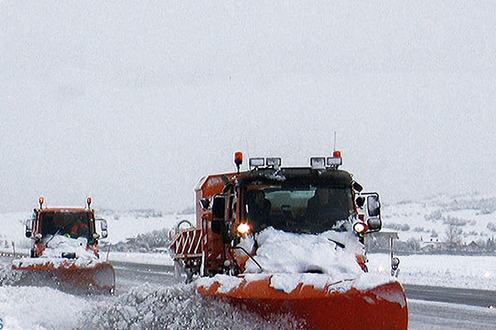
x: 177, y: 307
x: 39, y: 308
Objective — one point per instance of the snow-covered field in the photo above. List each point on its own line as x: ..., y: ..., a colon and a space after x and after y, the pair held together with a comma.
x: 473, y: 215
x: 474, y: 272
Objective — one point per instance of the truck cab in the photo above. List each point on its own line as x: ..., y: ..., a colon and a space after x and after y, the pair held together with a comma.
x: 47, y: 223
x: 306, y: 200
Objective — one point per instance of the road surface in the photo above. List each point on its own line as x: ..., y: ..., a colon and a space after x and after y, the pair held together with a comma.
x: 429, y: 307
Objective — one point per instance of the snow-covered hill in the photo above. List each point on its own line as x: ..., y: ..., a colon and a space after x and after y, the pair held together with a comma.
x: 443, y: 220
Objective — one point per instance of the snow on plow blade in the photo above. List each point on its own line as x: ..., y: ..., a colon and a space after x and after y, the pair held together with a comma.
x: 381, y: 307
x: 68, y: 276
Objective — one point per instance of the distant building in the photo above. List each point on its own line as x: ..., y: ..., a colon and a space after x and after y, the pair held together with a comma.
x: 433, y: 245
x: 472, y: 247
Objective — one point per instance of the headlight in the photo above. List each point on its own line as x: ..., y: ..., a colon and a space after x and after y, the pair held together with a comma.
x: 360, y: 228
x: 243, y: 229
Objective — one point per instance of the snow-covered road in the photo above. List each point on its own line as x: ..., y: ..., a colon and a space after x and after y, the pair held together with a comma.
x: 154, y: 286
x: 437, y: 316
x: 466, y: 313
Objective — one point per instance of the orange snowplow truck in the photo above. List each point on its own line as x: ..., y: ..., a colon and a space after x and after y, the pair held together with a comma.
x: 64, y: 251
x: 232, y: 206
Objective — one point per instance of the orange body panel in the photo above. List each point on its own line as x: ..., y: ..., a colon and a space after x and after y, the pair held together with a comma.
x: 382, y: 307
x: 208, y: 187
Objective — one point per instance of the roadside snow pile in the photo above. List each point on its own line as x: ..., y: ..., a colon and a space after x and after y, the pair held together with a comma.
x: 7, y: 276
x: 324, y: 261
x: 56, y: 247
x: 39, y: 308
x: 178, y: 307
x: 147, y: 242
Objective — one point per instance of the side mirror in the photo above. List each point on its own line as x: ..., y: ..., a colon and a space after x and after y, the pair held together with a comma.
x: 28, y: 226
x: 103, y: 228
x: 374, y: 224
x: 373, y: 206
x: 357, y: 187
x: 374, y: 221
x: 205, y: 203
x: 219, y: 207
x: 360, y: 201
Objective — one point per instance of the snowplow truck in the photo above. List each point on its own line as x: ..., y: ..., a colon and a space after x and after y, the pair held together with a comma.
x: 64, y: 251
x: 240, y: 214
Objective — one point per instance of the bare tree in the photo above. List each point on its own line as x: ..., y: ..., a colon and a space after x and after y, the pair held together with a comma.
x: 413, y: 244
x: 454, y: 235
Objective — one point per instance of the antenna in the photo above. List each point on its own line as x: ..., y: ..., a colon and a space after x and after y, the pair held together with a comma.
x: 334, y: 141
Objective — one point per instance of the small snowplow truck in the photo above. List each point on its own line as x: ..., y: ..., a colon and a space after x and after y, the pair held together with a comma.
x: 64, y: 250
x: 288, y: 240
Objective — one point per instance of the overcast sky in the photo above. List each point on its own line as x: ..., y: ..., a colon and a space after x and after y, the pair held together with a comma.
x: 132, y: 102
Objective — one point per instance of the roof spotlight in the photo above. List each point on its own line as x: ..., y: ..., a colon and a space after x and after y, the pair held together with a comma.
x: 273, y: 162
x: 257, y: 162
x: 318, y: 163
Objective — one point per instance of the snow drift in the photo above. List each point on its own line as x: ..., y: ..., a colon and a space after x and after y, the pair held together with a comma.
x: 175, y: 307
x: 56, y: 247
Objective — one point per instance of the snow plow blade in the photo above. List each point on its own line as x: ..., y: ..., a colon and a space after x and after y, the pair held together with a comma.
x: 381, y: 307
x: 68, y: 276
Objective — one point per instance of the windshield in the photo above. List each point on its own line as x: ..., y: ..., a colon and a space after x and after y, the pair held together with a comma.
x: 73, y: 224
x: 301, y: 209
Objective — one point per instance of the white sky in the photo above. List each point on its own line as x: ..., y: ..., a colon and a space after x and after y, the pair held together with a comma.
x: 133, y: 101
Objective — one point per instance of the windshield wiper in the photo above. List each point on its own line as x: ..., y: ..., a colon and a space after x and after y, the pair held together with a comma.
x: 341, y: 245
x: 57, y: 232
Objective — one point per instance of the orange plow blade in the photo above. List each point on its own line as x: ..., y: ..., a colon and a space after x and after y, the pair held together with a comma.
x: 381, y: 307
x: 69, y: 276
